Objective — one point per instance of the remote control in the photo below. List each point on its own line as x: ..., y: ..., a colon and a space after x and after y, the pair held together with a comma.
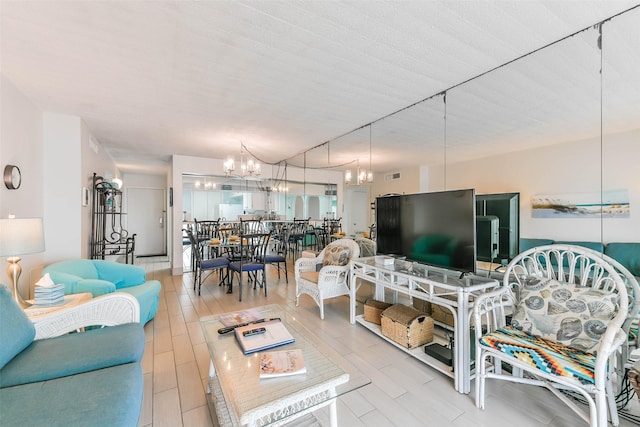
x: 256, y: 331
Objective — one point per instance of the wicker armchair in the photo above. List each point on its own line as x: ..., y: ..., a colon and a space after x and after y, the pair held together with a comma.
x: 570, y: 309
x: 332, y: 279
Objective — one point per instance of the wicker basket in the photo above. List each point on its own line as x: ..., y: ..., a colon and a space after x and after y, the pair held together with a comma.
x: 407, y: 326
x: 373, y: 309
x: 442, y: 314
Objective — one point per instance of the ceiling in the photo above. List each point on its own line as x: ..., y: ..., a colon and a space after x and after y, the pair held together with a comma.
x: 152, y: 79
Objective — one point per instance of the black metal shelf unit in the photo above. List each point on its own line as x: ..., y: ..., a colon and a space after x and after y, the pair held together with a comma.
x: 108, y: 236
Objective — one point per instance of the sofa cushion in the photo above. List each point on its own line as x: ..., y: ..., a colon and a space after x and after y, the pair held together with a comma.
x: 310, y: 276
x: 121, y: 275
x: 596, y: 246
x: 75, y: 353
x: 16, y: 330
x: 627, y: 254
x: 527, y: 243
x: 106, y: 397
x: 575, y: 316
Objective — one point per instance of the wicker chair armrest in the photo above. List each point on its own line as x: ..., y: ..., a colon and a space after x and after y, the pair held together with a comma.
x: 306, y: 264
x: 107, y: 310
x: 490, y: 309
x: 331, y: 275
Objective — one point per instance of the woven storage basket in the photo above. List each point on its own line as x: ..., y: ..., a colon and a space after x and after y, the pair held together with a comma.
x: 373, y: 309
x: 407, y: 326
x: 442, y: 314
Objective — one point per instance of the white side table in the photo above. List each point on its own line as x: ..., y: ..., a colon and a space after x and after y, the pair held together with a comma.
x: 38, y: 312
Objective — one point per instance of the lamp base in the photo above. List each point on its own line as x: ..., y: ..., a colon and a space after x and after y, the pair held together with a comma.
x: 14, y: 271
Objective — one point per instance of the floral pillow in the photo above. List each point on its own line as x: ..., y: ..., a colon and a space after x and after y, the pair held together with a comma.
x: 573, y: 315
x: 336, y: 255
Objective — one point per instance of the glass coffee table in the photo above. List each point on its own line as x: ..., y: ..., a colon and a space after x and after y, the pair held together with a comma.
x: 238, y: 397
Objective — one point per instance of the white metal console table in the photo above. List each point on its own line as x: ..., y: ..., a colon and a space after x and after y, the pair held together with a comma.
x: 429, y: 284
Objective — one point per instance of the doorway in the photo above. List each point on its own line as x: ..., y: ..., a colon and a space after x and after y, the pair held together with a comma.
x: 147, y: 217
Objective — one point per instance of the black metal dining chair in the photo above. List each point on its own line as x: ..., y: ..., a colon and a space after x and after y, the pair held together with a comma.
x: 276, y: 255
x: 251, y: 260
x: 219, y: 264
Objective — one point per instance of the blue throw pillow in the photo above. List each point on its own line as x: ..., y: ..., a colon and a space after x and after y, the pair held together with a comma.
x: 16, y: 330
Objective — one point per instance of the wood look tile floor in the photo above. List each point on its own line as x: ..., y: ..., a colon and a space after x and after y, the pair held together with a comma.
x: 403, y: 392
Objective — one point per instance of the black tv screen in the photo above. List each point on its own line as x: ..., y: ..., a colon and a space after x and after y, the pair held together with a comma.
x: 436, y: 228
x: 498, y: 230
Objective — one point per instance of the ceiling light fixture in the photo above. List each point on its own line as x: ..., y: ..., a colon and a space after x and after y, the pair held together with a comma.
x: 250, y: 167
x: 362, y: 176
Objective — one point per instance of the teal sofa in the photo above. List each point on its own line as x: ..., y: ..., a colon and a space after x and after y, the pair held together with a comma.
x: 91, y: 378
x: 627, y: 254
x: 101, y: 277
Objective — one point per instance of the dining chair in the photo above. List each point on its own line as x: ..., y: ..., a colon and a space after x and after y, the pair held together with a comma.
x: 251, y: 261
x: 251, y: 226
x: 276, y: 254
x: 219, y: 264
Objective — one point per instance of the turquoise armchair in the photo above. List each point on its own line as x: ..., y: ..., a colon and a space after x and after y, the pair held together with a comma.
x: 100, y: 277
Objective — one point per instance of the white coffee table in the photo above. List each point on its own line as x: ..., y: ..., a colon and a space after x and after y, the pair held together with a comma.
x: 237, y: 395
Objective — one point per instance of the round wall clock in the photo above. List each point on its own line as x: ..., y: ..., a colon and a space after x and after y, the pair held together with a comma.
x: 12, y: 177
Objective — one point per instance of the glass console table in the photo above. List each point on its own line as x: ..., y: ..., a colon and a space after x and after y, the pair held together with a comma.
x: 440, y: 286
x: 237, y: 396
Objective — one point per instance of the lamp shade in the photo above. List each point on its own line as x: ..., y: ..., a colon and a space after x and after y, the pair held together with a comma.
x: 21, y: 236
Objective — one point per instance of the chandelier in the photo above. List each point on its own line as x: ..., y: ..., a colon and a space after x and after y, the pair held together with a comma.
x: 362, y: 176
x: 248, y: 167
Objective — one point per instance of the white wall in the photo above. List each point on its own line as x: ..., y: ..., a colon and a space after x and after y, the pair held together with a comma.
x: 61, y: 142
x: 573, y: 167
x: 21, y: 145
x: 54, y: 155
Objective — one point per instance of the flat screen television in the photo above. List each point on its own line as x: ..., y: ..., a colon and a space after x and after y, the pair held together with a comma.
x: 437, y: 228
x: 498, y: 227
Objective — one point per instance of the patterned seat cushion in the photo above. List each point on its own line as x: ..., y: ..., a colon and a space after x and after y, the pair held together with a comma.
x: 573, y: 315
x: 545, y: 355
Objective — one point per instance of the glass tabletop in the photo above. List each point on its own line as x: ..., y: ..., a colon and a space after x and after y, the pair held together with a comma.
x: 251, y: 400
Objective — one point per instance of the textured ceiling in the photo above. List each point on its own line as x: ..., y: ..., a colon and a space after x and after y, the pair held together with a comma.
x: 152, y: 79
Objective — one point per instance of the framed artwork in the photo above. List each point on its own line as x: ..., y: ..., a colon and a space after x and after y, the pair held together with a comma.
x: 608, y: 204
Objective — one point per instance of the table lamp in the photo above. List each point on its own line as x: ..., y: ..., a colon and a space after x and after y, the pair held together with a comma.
x: 19, y: 236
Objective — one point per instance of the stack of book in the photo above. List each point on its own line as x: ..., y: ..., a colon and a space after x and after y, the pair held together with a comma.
x: 49, y: 295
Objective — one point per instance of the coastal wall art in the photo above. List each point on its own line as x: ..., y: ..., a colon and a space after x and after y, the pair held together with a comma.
x: 609, y: 204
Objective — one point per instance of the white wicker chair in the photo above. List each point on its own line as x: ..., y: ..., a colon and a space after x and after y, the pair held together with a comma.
x: 553, y: 364
x: 107, y: 310
x: 330, y: 281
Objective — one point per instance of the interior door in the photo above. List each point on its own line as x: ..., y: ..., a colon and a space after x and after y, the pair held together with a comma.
x: 146, y: 217
x: 357, y: 211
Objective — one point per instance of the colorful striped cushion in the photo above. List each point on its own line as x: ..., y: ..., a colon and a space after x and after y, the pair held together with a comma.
x: 545, y: 355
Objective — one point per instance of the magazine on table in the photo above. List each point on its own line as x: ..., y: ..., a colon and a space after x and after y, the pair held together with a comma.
x: 282, y: 363
x: 240, y: 317
x: 262, y: 336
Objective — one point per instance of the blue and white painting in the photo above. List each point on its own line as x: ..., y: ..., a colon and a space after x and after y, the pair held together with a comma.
x: 609, y: 204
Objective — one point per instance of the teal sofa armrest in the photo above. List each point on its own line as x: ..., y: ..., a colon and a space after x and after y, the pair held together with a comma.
x: 122, y: 275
